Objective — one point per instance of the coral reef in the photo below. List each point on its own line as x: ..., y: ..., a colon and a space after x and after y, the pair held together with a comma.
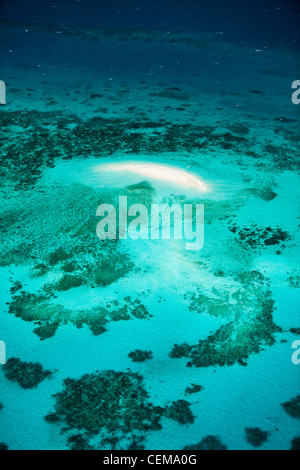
x: 68, y: 282
x: 258, y: 237
x: 139, y: 355
x: 252, y: 326
x: 256, y: 437
x: 79, y: 442
x: 47, y: 330
x: 180, y: 411
x: 295, y: 444
x: 218, y: 304
x: 113, y: 403
x: 26, y: 374
x: 15, y: 287
x: 295, y: 331
x: 49, y: 315
x: 207, y: 443
x: 48, y: 137
x: 137, y: 443
x: 112, y: 407
x: 193, y: 389
x: 294, y: 281
x: 292, y: 407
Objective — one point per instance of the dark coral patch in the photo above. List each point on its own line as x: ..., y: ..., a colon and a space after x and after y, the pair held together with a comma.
x: 208, y: 443
x: 49, y: 315
x: 27, y: 374
x: 180, y: 411
x: 140, y: 356
x: 295, y: 444
x: 257, y: 237
x: 256, y: 437
x: 114, y: 403
x: 292, y: 407
x: 194, y: 388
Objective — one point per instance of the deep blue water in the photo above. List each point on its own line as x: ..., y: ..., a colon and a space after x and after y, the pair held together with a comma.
x: 261, y: 23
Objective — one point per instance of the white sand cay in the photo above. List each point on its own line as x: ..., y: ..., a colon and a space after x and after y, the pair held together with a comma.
x: 169, y: 174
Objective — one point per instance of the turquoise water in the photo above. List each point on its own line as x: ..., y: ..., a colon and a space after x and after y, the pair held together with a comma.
x: 206, y: 105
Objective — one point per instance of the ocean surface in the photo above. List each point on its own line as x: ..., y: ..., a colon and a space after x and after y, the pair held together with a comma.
x: 131, y: 344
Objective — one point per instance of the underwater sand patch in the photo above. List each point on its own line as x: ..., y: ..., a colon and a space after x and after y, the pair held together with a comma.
x: 168, y: 174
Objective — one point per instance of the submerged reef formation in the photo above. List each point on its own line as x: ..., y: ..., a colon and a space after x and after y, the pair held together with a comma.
x: 207, y: 443
x: 113, y: 407
x: 193, y: 389
x: 63, y: 253
x: 62, y: 241
x: 46, y: 330
x: 79, y: 442
x: 49, y: 315
x: 26, y: 374
x: 292, y: 407
x: 51, y: 135
x: 294, y: 281
x: 180, y: 411
x: 114, y: 401
x: 3, y: 446
x: 295, y: 444
x: 256, y: 437
x: 138, y: 355
x: 250, y: 329
x: 295, y: 331
x: 258, y: 237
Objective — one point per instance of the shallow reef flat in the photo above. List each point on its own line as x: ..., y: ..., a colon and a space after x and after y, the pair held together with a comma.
x: 51, y: 136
